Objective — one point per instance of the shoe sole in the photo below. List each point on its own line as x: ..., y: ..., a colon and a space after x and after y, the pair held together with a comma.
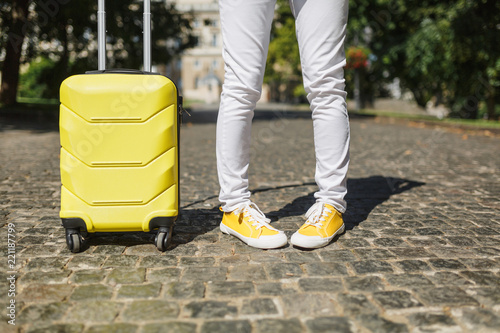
x: 257, y: 243
x: 308, y: 244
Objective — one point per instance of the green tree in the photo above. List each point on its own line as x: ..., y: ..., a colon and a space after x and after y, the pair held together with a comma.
x: 13, y: 25
x: 438, y: 48
x: 65, y: 31
x: 283, y: 72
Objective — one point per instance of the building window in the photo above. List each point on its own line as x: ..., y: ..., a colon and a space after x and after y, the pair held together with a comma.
x: 196, y: 40
x: 214, y: 39
x: 197, y: 64
x: 215, y: 64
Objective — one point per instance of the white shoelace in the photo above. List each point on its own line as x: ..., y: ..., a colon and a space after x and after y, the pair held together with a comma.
x: 254, y: 215
x: 316, y: 215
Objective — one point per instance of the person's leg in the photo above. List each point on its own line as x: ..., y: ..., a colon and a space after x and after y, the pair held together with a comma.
x: 246, y: 26
x: 321, y: 28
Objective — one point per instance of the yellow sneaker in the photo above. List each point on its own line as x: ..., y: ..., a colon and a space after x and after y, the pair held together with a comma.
x: 323, y: 223
x: 250, y: 225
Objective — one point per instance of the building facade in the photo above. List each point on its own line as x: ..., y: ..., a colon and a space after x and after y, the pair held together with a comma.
x: 202, y: 67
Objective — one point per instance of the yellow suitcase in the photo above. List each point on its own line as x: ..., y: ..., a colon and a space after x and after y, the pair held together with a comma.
x: 119, y: 132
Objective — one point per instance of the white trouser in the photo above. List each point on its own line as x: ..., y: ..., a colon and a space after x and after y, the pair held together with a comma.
x: 320, y: 29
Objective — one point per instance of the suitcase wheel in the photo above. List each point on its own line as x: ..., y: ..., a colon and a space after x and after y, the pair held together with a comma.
x: 74, y: 240
x: 163, y: 237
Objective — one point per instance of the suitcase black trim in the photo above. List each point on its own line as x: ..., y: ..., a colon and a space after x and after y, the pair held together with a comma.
x: 74, y: 223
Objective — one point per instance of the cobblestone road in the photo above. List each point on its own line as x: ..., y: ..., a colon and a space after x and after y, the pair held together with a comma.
x: 420, y: 254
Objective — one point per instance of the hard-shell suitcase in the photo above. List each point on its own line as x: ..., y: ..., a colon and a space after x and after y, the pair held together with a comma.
x: 119, y: 132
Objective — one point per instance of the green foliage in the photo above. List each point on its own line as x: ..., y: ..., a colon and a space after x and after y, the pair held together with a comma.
x: 283, y: 72
x: 34, y: 83
x: 66, y: 32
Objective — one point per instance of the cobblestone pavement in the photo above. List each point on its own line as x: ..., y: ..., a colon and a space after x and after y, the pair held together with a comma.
x: 420, y: 254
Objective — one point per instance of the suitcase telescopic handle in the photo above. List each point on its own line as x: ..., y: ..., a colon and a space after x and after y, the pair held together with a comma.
x: 101, y: 35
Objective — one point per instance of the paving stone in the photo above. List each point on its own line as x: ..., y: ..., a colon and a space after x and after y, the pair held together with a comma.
x: 453, y: 252
x: 478, y: 263
x: 396, y: 299
x: 109, y: 249
x: 44, y: 277
x: 374, y: 254
x: 411, y: 252
x: 120, y: 261
x: 113, y: 328
x: 412, y: 265
x: 371, y: 266
x: 184, y: 290
x: 259, y: 306
x: 197, y: 261
x: 326, y: 269
x: 170, y: 327
x: 337, y: 255
x: 204, y: 274
x: 428, y: 231
x: 355, y: 304
x: 378, y: 324
x: 247, y: 272
x: 42, y: 313
x: 44, y: 264
x: 426, y: 241
x: 321, y: 285
x: 88, y: 277
x: 66, y: 328
x: 283, y: 271
x: 408, y: 280
x: 486, y: 251
x: 395, y: 232
x: 292, y: 325
x: 242, y: 326
x: 139, y: 291
x: 302, y: 257
x: 489, y: 296
x: 329, y: 324
x: 308, y: 304
x: 93, y: 311
x: 441, y: 264
x: 86, y: 262
x: 209, y: 309
x: 266, y: 257
x: 140, y: 310
x: 46, y: 292
x: 433, y: 322
x: 234, y: 260
x: 231, y: 288
x: 91, y: 292
x: 272, y: 289
x: 158, y: 261
x: 448, y: 279
x: 460, y: 241
x: 480, y: 319
x: 445, y: 296
x: 163, y: 275
x: 124, y: 276
x: 482, y: 278
x: 368, y: 283
x: 353, y: 242
x: 390, y: 242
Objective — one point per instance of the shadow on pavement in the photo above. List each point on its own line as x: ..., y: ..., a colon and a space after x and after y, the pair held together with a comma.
x: 364, y: 194
x: 210, y: 116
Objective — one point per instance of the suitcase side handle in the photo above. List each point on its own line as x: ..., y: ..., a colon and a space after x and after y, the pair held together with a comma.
x: 101, y: 35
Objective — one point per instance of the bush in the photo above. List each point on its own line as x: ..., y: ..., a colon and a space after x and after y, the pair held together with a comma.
x: 34, y: 83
